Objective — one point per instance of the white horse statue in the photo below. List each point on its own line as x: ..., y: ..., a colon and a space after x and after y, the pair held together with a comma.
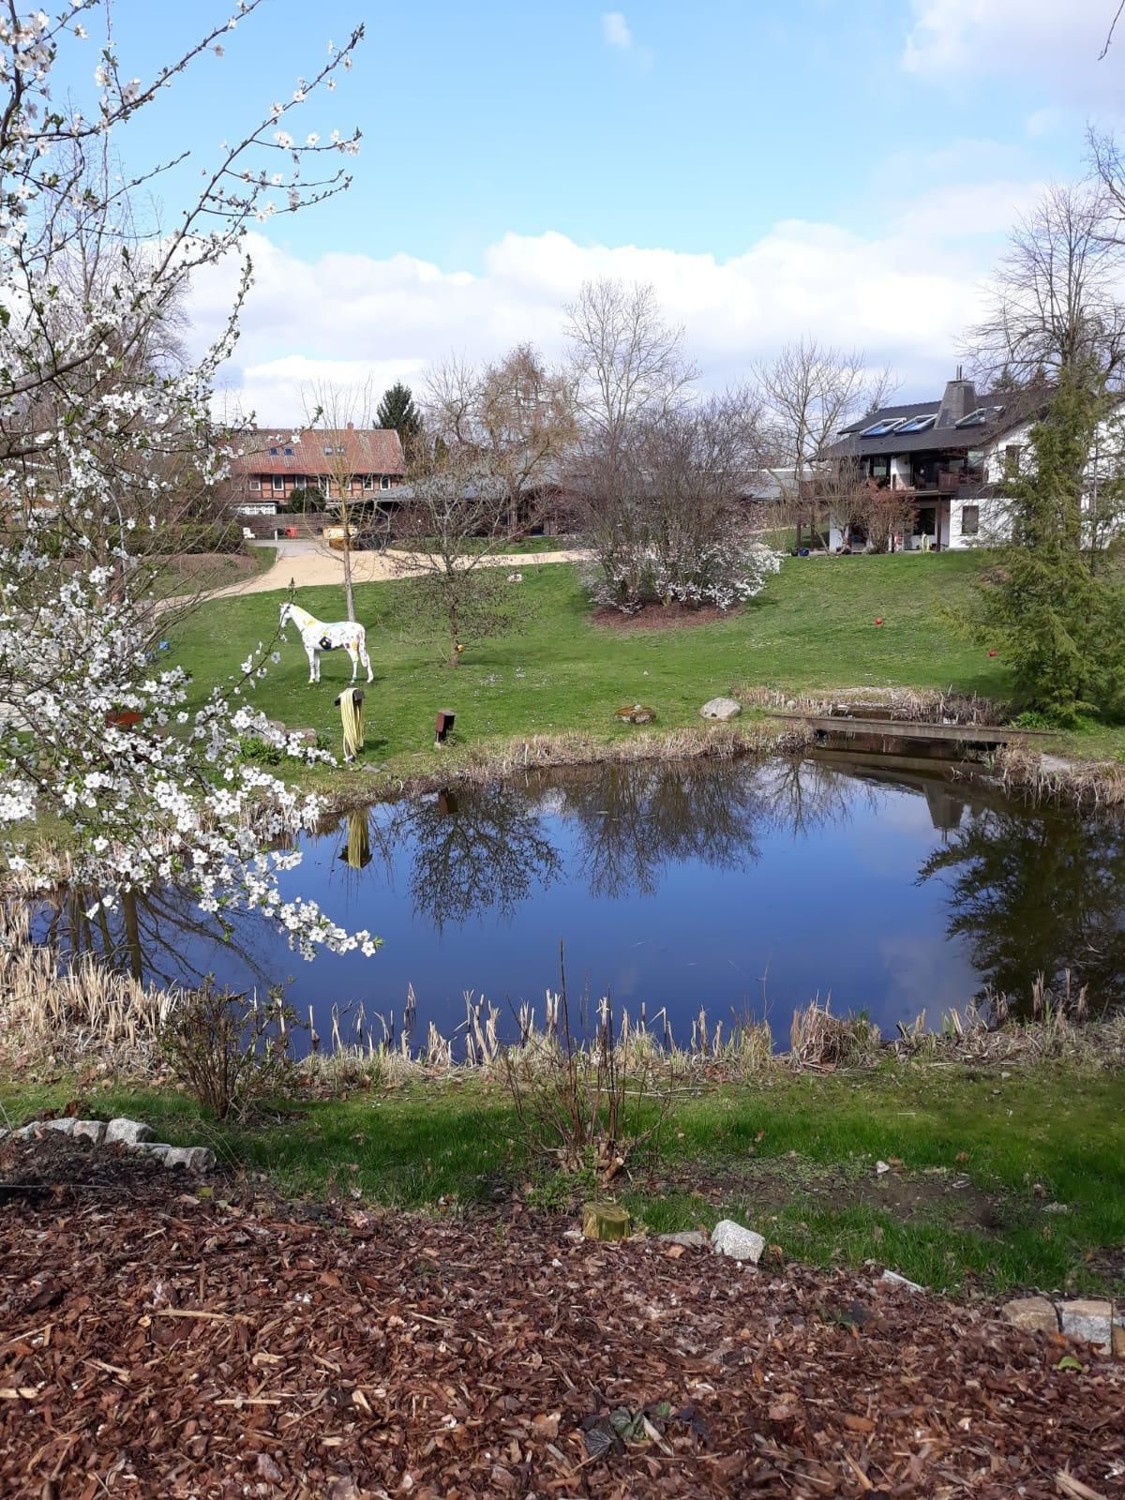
x: 321, y: 635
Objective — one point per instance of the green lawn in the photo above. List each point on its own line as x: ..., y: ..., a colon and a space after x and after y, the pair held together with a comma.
x: 1000, y: 1178
x: 813, y: 627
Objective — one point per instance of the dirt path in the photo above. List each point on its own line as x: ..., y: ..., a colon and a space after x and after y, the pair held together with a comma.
x: 308, y: 566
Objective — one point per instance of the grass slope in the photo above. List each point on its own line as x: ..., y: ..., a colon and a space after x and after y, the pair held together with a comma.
x: 813, y: 627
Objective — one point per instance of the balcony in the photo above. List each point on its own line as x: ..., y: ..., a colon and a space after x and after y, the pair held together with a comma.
x: 949, y: 481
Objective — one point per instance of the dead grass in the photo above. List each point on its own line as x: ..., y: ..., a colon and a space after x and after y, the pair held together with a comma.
x: 911, y: 705
x: 1084, y: 784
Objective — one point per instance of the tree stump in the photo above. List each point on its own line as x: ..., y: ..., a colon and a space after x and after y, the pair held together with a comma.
x: 604, y: 1221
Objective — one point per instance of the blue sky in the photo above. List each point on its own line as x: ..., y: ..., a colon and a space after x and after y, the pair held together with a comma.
x: 777, y: 167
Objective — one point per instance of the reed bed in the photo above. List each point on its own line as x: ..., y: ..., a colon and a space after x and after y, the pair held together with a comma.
x: 1089, y: 785
x: 911, y: 705
x: 90, y: 1015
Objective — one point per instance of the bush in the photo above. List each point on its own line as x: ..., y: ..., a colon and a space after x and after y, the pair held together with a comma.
x: 304, y: 499
x: 230, y: 1051
x: 587, y: 1106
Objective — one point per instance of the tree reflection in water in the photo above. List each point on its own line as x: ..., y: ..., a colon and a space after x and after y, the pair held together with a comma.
x: 1038, y: 891
x: 476, y: 850
x: 157, y: 936
x: 639, y: 818
x: 1027, y: 891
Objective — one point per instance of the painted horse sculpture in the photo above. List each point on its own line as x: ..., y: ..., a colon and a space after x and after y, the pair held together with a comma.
x: 322, y: 635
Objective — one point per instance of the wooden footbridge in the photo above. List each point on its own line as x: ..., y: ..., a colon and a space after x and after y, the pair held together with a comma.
x: 864, y: 732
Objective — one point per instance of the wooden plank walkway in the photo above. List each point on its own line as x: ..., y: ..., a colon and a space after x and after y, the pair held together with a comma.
x: 838, y: 728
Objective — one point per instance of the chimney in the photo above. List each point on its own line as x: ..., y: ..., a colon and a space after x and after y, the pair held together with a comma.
x: 351, y: 426
x: 959, y: 400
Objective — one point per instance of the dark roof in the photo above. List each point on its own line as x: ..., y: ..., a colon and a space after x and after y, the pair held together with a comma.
x: 365, y: 450
x: 944, y: 436
x: 889, y: 413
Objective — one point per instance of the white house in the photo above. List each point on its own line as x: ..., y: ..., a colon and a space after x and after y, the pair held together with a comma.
x: 952, y: 458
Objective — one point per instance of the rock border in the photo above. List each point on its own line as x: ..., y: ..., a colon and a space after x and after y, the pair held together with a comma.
x: 130, y: 1135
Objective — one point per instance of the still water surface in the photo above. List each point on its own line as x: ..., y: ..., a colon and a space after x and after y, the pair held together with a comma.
x: 742, y: 888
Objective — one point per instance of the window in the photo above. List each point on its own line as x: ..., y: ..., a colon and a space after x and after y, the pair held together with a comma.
x: 369, y: 481
x: 255, y: 483
x: 328, y: 450
x: 339, y: 448
x: 919, y: 424
x: 970, y: 520
x: 384, y: 481
x: 278, y: 483
x: 881, y: 428
x: 325, y: 485
x: 1013, y: 457
x: 289, y: 453
x: 980, y: 416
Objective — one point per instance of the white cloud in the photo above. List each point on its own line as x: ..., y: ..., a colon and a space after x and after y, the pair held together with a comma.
x: 1055, y: 44
x: 906, y: 295
x: 615, y: 30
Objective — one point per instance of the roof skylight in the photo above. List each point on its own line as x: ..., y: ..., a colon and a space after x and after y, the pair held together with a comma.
x: 881, y: 429
x: 919, y: 424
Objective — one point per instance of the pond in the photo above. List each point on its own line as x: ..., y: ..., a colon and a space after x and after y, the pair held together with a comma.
x: 743, y: 888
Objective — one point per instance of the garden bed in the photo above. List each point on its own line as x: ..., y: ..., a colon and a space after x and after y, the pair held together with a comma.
x: 166, y: 1339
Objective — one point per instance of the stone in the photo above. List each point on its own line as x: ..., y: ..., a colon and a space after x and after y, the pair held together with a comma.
x: 729, y: 1238
x: 1033, y: 1314
x: 127, y: 1132
x: 89, y: 1130
x: 63, y: 1127
x: 194, y: 1158
x: 1118, y: 1341
x: 635, y: 713
x: 691, y: 1239
x: 720, y: 708
x: 892, y: 1278
x: 1088, y: 1319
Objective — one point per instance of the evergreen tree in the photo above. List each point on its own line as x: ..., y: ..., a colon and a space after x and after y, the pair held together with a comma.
x: 1055, y: 615
x: 397, y: 410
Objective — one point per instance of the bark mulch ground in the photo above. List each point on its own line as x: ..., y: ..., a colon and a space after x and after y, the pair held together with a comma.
x: 156, y: 1342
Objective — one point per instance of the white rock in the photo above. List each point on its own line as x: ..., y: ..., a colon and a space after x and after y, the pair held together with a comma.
x: 127, y: 1132
x: 729, y: 1238
x: 1087, y: 1319
x: 880, y: 1168
x: 63, y: 1127
x: 195, y: 1158
x: 892, y: 1278
x: 720, y: 708
x: 89, y: 1130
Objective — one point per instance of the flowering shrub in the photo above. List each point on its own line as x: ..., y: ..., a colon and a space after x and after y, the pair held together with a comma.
x: 104, y: 429
x: 721, y: 573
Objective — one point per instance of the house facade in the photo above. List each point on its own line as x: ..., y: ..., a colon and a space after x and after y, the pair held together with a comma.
x: 352, y: 463
x: 946, y: 459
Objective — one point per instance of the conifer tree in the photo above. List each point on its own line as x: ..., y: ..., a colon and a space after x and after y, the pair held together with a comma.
x: 397, y: 410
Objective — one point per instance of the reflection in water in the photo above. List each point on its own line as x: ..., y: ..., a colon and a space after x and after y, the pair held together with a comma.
x: 674, y: 884
x: 478, y: 851
x: 157, y: 936
x: 637, y: 819
x: 1038, y: 894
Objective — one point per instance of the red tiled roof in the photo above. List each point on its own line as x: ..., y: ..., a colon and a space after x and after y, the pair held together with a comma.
x: 365, y: 450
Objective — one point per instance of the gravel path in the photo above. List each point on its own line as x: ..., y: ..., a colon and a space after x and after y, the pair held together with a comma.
x: 309, y: 564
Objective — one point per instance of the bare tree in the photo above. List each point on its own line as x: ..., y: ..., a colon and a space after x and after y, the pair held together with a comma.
x: 334, y: 412
x: 516, y: 414
x: 812, y: 390
x: 451, y: 526
x: 1056, y: 303
x: 662, y: 506
x: 627, y: 362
